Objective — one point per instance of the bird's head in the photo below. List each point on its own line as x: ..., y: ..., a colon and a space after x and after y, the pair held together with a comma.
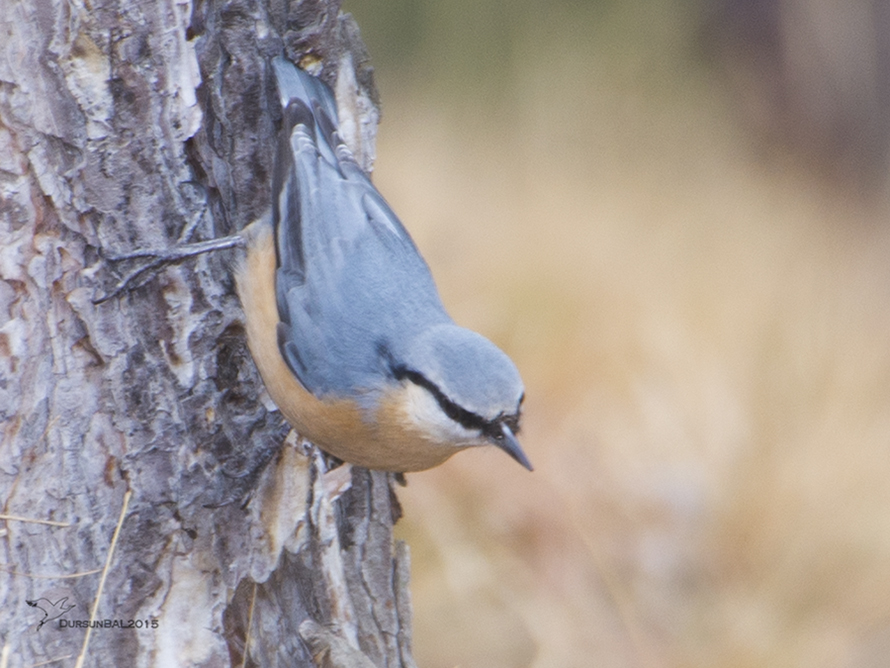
x: 463, y: 389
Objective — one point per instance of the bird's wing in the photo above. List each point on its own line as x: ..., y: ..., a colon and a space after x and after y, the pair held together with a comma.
x: 349, y: 278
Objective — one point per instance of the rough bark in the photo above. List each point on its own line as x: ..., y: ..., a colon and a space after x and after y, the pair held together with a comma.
x: 140, y: 125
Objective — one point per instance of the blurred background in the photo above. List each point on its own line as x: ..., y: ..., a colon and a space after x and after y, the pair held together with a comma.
x: 674, y: 217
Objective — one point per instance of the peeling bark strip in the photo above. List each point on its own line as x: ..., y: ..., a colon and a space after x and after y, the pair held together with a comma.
x: 139, y: 125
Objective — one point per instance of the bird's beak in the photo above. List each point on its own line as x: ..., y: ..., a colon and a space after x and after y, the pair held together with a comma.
x: 511, y: 446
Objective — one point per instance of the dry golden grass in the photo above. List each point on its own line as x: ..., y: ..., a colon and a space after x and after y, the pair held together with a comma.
x: 705, y: 338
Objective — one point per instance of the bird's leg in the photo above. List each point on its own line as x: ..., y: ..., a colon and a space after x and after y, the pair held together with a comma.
x: 159, y: 258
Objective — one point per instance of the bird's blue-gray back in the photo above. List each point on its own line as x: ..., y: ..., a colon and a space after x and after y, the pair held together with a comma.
x: 345, y: 260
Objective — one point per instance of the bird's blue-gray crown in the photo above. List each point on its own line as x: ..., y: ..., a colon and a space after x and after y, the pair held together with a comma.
x: 468, y: 369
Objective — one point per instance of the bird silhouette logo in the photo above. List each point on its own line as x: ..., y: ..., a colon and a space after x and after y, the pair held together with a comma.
x: 51, y: 610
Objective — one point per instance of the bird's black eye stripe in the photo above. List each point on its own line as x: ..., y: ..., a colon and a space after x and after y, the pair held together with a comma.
x: 462, y: 416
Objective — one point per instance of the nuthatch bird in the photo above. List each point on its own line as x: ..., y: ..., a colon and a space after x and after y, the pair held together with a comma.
x: 344, y: 321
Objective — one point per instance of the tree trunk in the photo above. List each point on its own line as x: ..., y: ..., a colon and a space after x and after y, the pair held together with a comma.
x: 144, y: 472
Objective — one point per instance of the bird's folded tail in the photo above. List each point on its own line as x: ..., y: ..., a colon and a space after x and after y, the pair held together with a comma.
x: 295, y: 84
x: 306, y: 100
